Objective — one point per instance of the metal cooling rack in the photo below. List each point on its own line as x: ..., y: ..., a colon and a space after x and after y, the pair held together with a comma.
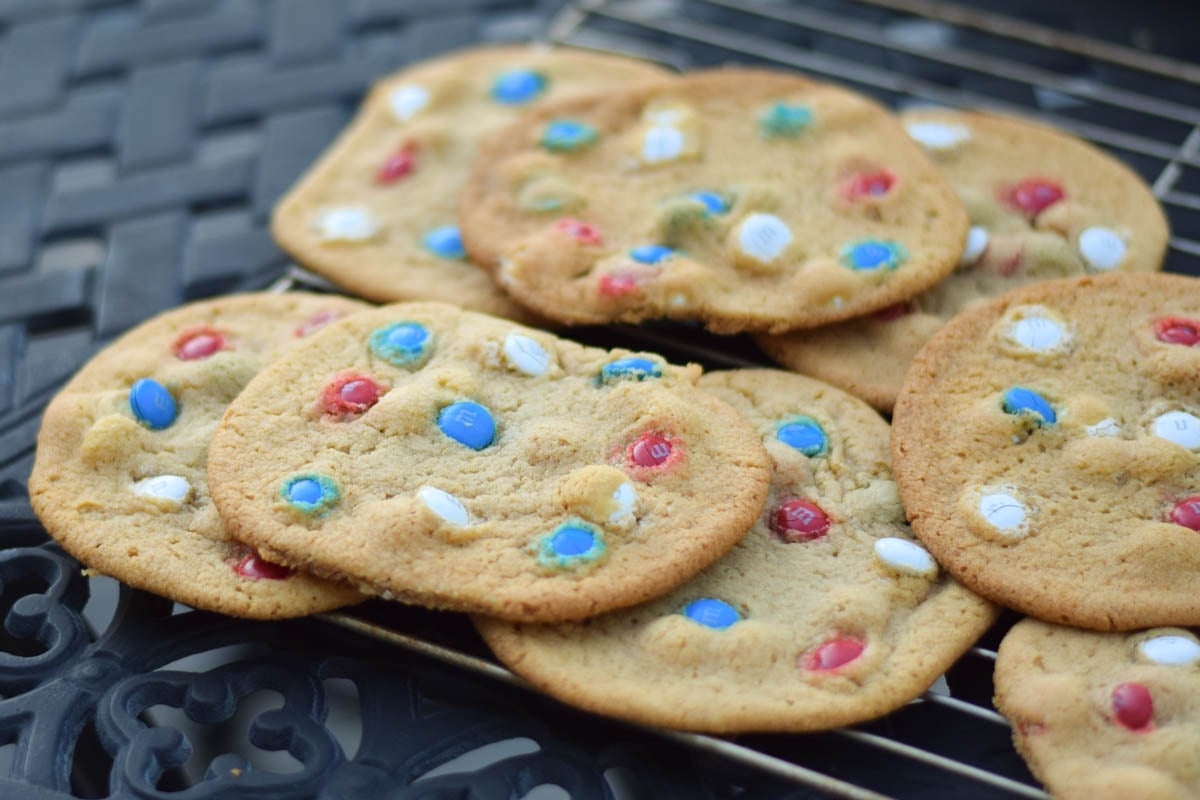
x: 1144, y: 108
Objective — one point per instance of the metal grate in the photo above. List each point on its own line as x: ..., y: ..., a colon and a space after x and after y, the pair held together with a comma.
x: 1144, y: 108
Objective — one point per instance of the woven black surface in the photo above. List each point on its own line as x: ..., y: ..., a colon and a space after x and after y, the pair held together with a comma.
x: 142, y: 145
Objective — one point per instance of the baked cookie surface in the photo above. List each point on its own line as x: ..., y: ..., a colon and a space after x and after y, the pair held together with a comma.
x: 119, y: 478
x: 1042, y: 204
x: 827, y: 612
x: 377, y: 213
x: 1047, y: 449
x: 750, y: 200
x: 1104, y: 716
x: 460, y: 461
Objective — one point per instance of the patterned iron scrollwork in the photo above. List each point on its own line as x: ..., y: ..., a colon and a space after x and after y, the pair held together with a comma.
x: 415, y: 717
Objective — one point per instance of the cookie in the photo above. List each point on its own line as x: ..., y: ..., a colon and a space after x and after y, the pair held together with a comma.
x: 119, y: 478
x: 1042, y: 204
x: 376, y: 214
x: 827, y: 613
x: 1104, y: 716
x: 459, y: 461
x: 750, y: 200
x: 1047, y: 448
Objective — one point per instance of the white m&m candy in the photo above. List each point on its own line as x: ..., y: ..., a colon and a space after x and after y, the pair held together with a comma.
x: 405, y: 101
x: 624, y: 501
x: 763, y: 237
x: 977, y: 242
x: 164, y: 487
x: 525, y: 355
x: 1002, y: 511
x: 905, y: 557
x: 1172, y: 650
x: 346, y: 224
x: 938, y: 135
x: 1037, y: 334
x: 1102, y: 248
x: 1179, y: 427
x: 662, y: 143
x: 444, y: 505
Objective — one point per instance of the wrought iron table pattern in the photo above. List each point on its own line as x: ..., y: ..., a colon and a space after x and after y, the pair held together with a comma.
x: 142, y: 144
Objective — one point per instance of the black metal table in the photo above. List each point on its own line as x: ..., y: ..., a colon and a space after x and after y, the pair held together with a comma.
x: 142, y: 144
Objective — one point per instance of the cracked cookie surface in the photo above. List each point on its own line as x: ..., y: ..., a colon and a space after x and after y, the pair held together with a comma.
x: 827, y: 613
x: 1047, y: 449
x: 377, y: 213
x: 1043, y: 205
x: 463, y: 462
x: 750, y: 200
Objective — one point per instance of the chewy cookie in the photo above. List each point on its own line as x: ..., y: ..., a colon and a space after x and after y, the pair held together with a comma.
x: 1047, y: 448
x: 376, y: 214
x: 460, y: 461
x: 1104, y: 716
x: 1042, y: 204
x: 119, y: 478
x: 750, y: 200
x: 827, y: 612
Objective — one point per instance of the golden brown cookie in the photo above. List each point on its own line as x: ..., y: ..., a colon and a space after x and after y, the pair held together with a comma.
x: 743, y: 198
x: 461, y: 461
x: 119, y: 478
x: 827, y: 613
x: 376, y: 214
x: 1047, y: 448
x: 1104, y: 716
x: 1043, y: 205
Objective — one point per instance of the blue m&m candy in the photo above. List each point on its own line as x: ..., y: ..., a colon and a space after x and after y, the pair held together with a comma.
x: 445, y: 242
x: 872, y: 254
x: 518, y: 86
x: 711, y: 613
x: 784, y: 120
x: 469, y: 424
x: 309, y: 493
x: 804, y: 434
x: 1019, y: 400
x: 572, y: 543
x: 651, y: 254
x: 564, y: 135
x: 401, y: 343
x: 713, y: 203
x: 152, y: 404
x: 633, y: 368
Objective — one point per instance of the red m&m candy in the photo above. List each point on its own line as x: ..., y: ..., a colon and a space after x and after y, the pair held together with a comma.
x: 1177, y: 330
x: 1133, y: 706
x: 316, y: 322
x: 894, y: 312
x: 1032, y: 196
x: 350, y: 393
x: 618, y: 283
x: 582, y: 232
x: 399, y: 165
x: 651, y: 450
x: 255, y: 567
x: 200, y: 343
x: 833, y: 653
x: 798, y: 520
x: 1187, y: 513
x: 868, y: 184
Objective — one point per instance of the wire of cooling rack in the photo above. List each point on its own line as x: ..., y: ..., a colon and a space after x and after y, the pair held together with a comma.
x: 913, y: 54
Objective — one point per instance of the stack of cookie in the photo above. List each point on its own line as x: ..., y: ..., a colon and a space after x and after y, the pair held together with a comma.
x: 617, y: 524
x: 443, y: 457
